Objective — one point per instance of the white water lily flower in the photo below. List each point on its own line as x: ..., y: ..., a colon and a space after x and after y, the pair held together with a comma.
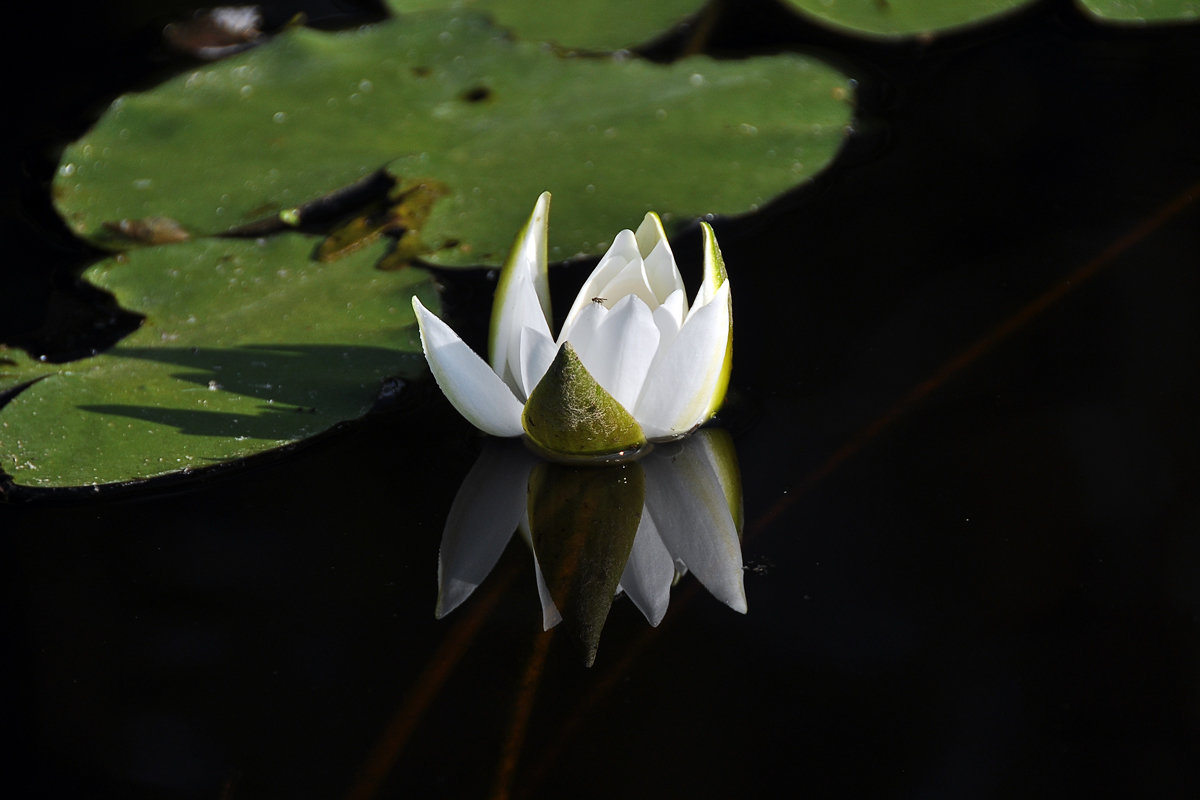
x: 633, y: 362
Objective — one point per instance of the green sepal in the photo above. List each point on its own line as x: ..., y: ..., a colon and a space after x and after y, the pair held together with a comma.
x: 714, y: 276
x: 531, y: 242
x: 570, y: 414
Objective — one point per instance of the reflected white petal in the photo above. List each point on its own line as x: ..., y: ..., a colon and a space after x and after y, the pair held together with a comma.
x: 485, y: 513
x: 467, y: 381
x: 649, y: 572
x: 688, y: 504
x: 550, y: 613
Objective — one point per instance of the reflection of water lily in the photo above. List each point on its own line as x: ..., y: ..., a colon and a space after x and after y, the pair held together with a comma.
x: 677, y: 513
x: 632, y: 363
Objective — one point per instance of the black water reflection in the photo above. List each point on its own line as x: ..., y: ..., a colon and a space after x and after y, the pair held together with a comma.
x: 600, y: 531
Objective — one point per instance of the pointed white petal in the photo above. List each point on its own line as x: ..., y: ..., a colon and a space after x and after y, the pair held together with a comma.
x: 679, y: 392
x: 537, y: 351
x: 521, y: 311
x: 630, y: 279
x: 582, y: 330
x: 669, y: 318
x: 620, y: 253
x: 528, y: 315
x: 620, y: 353
x: 649, y: 572
x: 688, y: 504
x: 650, y: 234
x: 522, y: 295
x: 485, y: 513
x: 714, y: 269
x: 466, y: 380
x: 662, y: 272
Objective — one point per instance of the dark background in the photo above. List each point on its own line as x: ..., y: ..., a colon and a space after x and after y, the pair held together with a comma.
x: 965, y: 404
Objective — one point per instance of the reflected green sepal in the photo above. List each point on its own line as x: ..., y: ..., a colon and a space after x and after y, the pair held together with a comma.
x: 582, y: 522
x: 570, y: 414
x: 720, y: 452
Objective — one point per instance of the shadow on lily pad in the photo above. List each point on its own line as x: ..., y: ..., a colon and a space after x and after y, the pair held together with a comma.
x: 269, y: 392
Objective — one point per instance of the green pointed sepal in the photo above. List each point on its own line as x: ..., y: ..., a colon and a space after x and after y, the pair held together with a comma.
x: 714, y: 276
x: 569, y: 416
x: 528, y: 256
x: 582, y: 521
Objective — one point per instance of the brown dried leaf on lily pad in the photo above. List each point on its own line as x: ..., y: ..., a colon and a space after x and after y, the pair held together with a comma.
x: 214, y: 33
x: 400, y: 216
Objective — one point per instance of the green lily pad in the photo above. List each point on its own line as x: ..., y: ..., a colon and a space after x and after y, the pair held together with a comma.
x: 17, y: 368
x: 451, y: 100
x: 591, y: 26
x: 1139, y: 12
x: 902, y: 17
x: 246, y: 346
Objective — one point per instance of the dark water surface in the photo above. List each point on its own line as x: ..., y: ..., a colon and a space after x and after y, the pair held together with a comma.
x: 967, y: 365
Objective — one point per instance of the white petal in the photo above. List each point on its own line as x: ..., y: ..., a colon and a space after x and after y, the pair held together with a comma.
x: 466, y: 379
x: 485, y: 513
x: 620, y: 254
x: 620, y: 354
x: 537, y: 351
x: 690, y: 372
x: 582, y: 329
x: 521, y: 311
x: 669, y: 317
x: 685, y: 498
x: 630, y: 279
x: 522, y: 296
x: 662, y: 272
x: 650, y: 233
x: 649, y: 572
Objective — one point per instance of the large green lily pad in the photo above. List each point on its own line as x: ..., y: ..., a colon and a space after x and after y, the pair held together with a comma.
x: 451, y: 100
x: 1138, y: 12
x: 590, y: 26
x: 902, y: 17
x: 17, y: 368
x: 246, y: 346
